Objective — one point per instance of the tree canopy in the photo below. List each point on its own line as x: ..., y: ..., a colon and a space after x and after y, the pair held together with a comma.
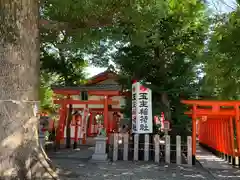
x: 221, y: 59
x: 70, y: 30
x: 170, y: 44
x: 167, y: 55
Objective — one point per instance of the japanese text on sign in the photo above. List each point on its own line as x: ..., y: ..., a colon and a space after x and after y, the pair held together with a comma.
x: 141, y: 109
x: 134, y: 109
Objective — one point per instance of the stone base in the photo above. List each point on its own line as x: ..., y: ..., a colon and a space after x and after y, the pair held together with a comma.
x: 99, y: 157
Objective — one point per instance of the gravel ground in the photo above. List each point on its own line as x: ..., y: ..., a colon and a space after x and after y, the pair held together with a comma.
x: 82, y: 170
x: 75, y: 165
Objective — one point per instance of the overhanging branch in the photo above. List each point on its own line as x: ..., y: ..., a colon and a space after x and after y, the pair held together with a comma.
x: 55, y: 25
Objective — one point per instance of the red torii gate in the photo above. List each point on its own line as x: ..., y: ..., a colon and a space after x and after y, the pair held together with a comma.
x: 216, y: 125
x: 107, y: 91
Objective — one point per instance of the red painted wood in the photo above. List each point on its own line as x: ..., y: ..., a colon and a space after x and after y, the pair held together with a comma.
x: 72, y: 101
x: 217, y: 130
x: 210, y: 103
x: 99, y: 109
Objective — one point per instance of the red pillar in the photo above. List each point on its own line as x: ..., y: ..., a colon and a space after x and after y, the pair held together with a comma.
x: 84, y: 123
x: 60, y: 129
x: 203, y: 133
x: 111, y: 121
x: 232, y: 144
x: 89, y: 128
x: 218, y: 135
x: 221, y: 135
x: 228, y: 139
x: 105, y: 114
x: 237, y: 126
x: 194, y: 129
x: 209, y: 131
x: 76, y: 130
x: 226, y: 136
x: 215, y: 133
x: 95, y: 127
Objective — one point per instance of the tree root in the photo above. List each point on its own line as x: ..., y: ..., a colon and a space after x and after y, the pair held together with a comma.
x: 37, y: 166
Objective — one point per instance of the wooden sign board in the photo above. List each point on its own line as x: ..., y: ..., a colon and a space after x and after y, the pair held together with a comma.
x: 166, y: 125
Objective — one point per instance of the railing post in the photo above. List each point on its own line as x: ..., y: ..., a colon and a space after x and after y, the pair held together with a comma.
x: 178, y: 149
x: 115, y: 146
x: 236, y: 161
x: 156, y: 144
x: 167, y: 149
x: 146, y: 147
x: 125, y: 146
x: 189, y: 150
x: 135, y: 146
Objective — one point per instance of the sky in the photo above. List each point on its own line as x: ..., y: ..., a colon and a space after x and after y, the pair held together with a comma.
x: 218, y: 6
x: 92, y: 71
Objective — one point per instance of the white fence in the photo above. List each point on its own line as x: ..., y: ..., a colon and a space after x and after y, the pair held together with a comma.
x: 160, y: 148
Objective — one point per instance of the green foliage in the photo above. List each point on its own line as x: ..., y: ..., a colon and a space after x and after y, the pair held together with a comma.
x: 90, y: 21
x: 151, y: 40
x: 222, y: 65
x: 66, y: 64
x: 78, y: 26
x: 45, y: 93
x: 167, y: 56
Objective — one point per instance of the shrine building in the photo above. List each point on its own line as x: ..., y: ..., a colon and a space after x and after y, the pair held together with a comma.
x: 102, y: 97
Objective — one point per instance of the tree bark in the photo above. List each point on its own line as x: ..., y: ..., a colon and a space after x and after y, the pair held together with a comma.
x: 166, y: 106
x: 21, y: 157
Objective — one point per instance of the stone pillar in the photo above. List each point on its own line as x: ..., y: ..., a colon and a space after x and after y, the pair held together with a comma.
x: 157, y: 148
x: 189, y: 151
x: 100, y: 149
x: 146, y: 147
x: 125, y: 146
x: 179, y: 151
x: 167, y: 149
x: 135, y: 145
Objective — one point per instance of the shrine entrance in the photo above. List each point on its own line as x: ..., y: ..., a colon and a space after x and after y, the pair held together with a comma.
x: 217, y: 125
x: 88, y: 115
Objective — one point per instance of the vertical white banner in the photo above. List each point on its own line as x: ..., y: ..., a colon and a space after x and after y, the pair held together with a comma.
x: 134, y: 106
x: 141, y: 109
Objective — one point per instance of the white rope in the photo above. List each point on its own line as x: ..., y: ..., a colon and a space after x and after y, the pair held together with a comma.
x: 18, y: 101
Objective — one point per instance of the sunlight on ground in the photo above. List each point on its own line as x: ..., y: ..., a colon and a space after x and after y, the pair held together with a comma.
x: 213, y: 158
x: 195, y: 176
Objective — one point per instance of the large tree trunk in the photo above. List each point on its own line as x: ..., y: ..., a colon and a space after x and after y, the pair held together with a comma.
x: 166, y: 106
x: 21, y: 157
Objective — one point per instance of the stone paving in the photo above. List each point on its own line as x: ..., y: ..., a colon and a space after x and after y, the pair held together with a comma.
x: 75, y: 169
x: 75, y: 165
x: 219, y: 168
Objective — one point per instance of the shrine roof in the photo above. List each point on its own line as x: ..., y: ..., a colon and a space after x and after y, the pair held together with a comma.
x: 108, y: 74
x: 105, y: 87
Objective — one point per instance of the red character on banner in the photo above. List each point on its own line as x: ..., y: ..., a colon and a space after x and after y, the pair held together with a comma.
x: 142, y: 88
